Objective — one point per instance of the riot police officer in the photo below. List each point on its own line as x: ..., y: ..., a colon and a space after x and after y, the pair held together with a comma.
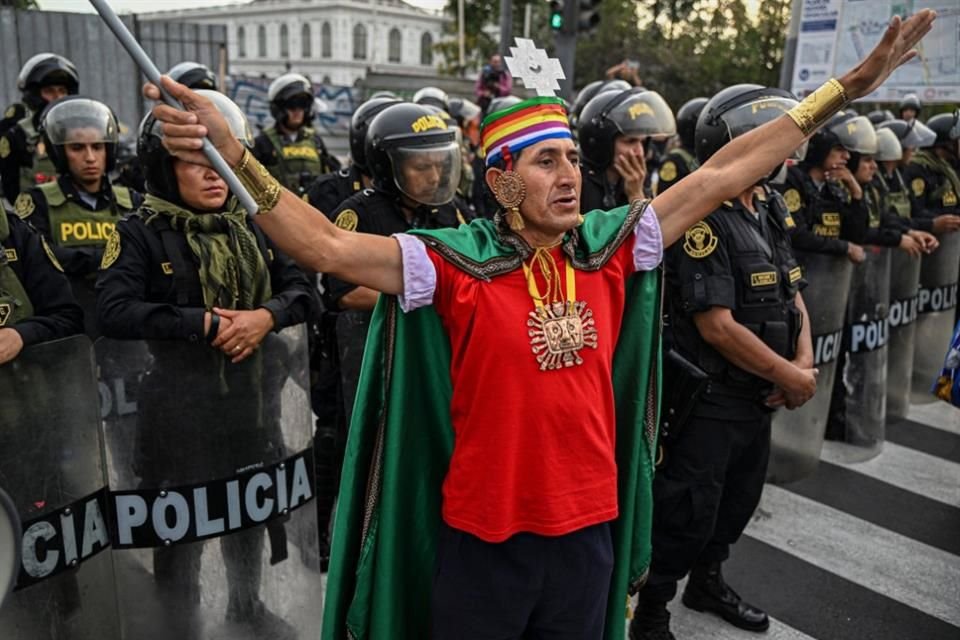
x: 432, y: 96
x: 739, y: 325
x: 584, y: 96
x: 190, y: 267
x: 194, y: 75
x: 23, y: 160
x: 910, y: 107
x: 291, y: 149
x: 932, y: 174
x: 36, y: 303
x: 680, y: 161
x: 879, y: 116
x: 79, y: 210
x: 613, y: 128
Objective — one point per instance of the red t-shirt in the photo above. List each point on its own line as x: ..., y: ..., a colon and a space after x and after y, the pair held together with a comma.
x: 534, y: 450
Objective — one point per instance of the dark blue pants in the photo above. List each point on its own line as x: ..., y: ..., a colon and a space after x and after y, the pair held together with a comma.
x: 529, y: 586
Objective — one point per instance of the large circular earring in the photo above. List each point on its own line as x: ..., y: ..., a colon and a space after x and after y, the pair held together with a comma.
x: 510, y: 190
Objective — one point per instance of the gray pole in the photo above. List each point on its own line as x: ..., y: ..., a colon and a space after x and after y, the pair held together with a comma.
x: 566, y: 45
x: 460, y: 38
x: 153, y: 75
x: 790, y: 46
x: 506, y: 26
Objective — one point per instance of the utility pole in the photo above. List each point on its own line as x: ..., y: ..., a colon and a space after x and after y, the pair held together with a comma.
x: 460, y: 37
x: 566, y: 45
x: 506, y: 26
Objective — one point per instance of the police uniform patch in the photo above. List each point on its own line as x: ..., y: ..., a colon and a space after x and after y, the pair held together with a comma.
x: 699, y: 241
x: 10, y: 112
x: 50, y: 255
x: 10, y: 255
x: 112, y: 251
x: 167, y: 268
x: 24, y: 205
x: 347, y: 220
x: 795, y: 274
x: 792, y: 198
x: 763, y: 279
x: 789, y: 221
x: 668, y: 171
x: 4, y: 313
x: 918, y: 186
x: 949, y: 198
x: 4, y: 147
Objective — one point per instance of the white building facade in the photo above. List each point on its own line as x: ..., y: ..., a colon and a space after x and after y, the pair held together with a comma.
x: 330, y: 41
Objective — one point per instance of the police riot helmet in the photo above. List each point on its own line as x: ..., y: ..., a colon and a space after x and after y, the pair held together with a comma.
x: 74, y: 119
x: 591, y: 91
x: 889, y: 148
x: 736, y: 110
x: 687, y: 116
x: 844, y: 129
x: 463, y: 110
x: 910, y: 101
x: 291, y: 90
x: 157, y: 162
x: 194, y: 75
x: 432, y: 96
x: 879, y: 116
x: 946, y: 126
x: 358, y: 128
x: 503, y: 102
x: 44, y: 70
x: 412, y: 150
x: 384, y: 94
x: 609, y: 114
x: 912, y: 135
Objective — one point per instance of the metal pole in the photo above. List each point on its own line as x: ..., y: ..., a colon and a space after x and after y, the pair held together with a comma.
x: 460, y: 36
x: 566, y: 45
x: 527, y: 19
x: 506, y: 26
x: 153, y: 75
x: 790, y: 47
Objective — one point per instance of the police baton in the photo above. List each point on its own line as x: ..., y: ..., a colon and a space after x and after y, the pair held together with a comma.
x: 153, y: 75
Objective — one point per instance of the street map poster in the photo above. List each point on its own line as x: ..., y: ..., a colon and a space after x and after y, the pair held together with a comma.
x: 835, y: 34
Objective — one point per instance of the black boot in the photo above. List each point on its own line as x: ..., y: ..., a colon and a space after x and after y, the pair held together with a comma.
x: 651, y: 621
x: 706, y: 591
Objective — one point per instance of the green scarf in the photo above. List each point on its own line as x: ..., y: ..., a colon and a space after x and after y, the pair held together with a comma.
x: 401, y: 439
x: 233, y: 273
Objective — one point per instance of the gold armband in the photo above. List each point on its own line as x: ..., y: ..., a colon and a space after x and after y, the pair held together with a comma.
x: 817, y: 107
x: 263, y: 187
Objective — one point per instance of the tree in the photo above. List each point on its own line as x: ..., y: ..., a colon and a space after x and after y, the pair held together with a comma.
x: 19, y: 4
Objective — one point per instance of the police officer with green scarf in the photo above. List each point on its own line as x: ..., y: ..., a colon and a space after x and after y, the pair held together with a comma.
x: 291, y: 149
x: 78, y: 211
x: 190, y: 266
x: 931, y: 175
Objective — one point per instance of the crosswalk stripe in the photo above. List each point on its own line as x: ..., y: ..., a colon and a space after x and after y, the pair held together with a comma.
x: 906, y: 468
x: 888, y: 563
x: 939, y: 415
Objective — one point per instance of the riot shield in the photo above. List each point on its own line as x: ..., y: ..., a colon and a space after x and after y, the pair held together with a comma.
x: 10, y: 534
x: 352, y: 327
x: 210, y: 465
x: 865, y: 373
x: 797, y: 436
x: 935, y: 316
x: 51, y: 464
x: 904, y: 286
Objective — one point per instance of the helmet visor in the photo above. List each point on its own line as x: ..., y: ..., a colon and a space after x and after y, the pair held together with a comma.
x: 918, y: 136
x: 756, y: 113
x: 80, y: 121
x: 643, y: 114
x: 888, y: 146
x: 955, y: 130
x: 428, y: 175
x: 857, y: 135
x: 235, y: 118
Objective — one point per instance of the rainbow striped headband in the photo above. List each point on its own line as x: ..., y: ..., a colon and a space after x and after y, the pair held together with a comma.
x: 531, y: 121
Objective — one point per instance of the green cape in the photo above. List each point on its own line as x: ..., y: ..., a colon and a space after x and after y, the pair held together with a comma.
x: 401, y: 439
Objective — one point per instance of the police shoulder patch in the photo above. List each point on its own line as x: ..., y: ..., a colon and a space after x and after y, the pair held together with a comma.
x: 50, y: 255
x: 112, y: 251
x: 699, y: 241
x: 10, y: 112
x: 918, y: 185
x: 4, y: 147
x: 668, y: 171
x: 347, y: 220
x: 792, y: 198
x: 24, y: 205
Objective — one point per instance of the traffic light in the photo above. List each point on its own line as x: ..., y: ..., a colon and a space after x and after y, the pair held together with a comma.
x: 589, y: 16
x: 556, y: 15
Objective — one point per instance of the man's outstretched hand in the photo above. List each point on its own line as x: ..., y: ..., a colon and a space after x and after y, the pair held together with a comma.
x: 894, y: 49
x: 183, y: 131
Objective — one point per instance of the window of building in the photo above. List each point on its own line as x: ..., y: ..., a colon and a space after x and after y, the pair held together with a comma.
x: 359, y: 42
x: 326, y: 41
x: 284, y: 41
x: 241, y: 42
x: 262, y: 41
x: 305, y: 44
x: 426, y: 49
x: 394, y: 44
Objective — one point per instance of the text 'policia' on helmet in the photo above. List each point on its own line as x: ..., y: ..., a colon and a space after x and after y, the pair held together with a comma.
x: 74, y: 120
x: 888, y: 146
x: 291, y: 90
x: 194, y: 75
x: 361, y: 119
x: 946, y: 126
x: 912, y: 135
x: 44, y: 70
x: 736, y: 110
x: 158, y: 163
x: 634, y: 112
x: 687, y: 116
x: 412, y: 149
